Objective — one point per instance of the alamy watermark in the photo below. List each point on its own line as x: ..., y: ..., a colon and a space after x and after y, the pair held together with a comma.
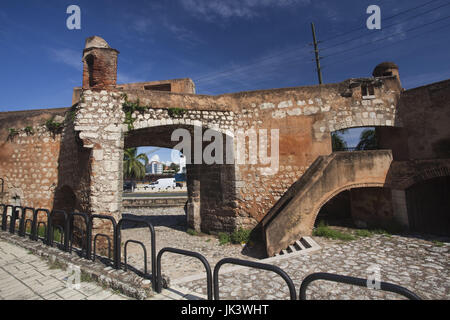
x: 73, y: 22
x: 374, y: 277
x: 74, y: 279
x: 374, y: 20
x: 232, y: 147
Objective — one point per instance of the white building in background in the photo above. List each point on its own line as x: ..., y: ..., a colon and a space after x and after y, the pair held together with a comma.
x: 182, y: 164
x: 155, y: 167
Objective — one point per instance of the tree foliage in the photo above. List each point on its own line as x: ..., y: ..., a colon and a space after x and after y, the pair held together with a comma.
x: 337, y: 141
x: 367, y: 140
x: 133, y: 168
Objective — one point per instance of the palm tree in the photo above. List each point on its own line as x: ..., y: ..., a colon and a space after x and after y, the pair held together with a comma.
x: 133, y: 168
x: 337, y: 141
x: 367, y: 140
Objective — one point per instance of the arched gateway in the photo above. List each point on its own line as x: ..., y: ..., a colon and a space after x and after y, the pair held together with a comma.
x: 271, y: 141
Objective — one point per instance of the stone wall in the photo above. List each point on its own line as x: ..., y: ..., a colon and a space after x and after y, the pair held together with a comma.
x: 29, y: 157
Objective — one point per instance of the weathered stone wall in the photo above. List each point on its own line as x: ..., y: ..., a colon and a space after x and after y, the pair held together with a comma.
x: 425, y: 114
x: 82, y: 165
x: 29, y: 160
x: 372, y: 207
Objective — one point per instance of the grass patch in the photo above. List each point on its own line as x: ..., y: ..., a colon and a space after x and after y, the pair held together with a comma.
x: 57, y: 236
x: 236, y: 237
x: 363, y: 233
x: 325, y: 231
x: 438, y: 243
x: 192, y: 232
x: 381, y: 232
x: 240, y: 236
x: 224, y: 238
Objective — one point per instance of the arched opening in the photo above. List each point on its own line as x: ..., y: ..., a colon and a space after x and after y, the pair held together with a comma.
x: 65, y: 199
x: 209, y: 185
x: 207, y: 193
x: 355, y: 139
x: 90, y: 65
x: 428, y: 205
x: 366, y: 207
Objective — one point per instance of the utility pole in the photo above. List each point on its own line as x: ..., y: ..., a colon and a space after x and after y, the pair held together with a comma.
x: 316, y: 52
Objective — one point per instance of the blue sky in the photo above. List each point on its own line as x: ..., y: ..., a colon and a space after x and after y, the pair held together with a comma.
x: 224, y: 46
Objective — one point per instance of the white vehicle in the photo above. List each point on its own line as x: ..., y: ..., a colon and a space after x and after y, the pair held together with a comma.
x: 163, y: 184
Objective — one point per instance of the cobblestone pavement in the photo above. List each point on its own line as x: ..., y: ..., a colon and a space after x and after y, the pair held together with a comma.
x: 419, y: 265
x: 170, y: 227
x: 24, y: 276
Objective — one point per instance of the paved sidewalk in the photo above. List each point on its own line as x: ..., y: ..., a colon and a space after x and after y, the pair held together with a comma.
x: 24, y: 276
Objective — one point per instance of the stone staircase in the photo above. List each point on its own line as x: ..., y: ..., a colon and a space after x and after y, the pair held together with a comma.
x: 299, y: 245
x: 293, y: 216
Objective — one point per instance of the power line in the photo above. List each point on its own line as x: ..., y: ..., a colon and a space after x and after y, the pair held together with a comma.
x: 377, y: 40
x: 391, y: 44
x: 388, y: 26
x: 342, y: 60
x: 384, y: 19
x: 256, y: 62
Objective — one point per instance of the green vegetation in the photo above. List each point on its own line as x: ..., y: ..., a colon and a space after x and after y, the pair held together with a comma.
x: 224, y: 238
x: 381, y: 232
x: 363, y: 233
x: 57, y: 236
x: 133, y: 168
x: 337, y: 141
x: 240, y: 236
x: 129, y: 108
x: 192, y: 232
x: 367, y: 140
x: 29, y: 130
x: 53, y: 126
x: 12, y: 133
x: 176, y: 112
x: 70, y: 115
x: 438, y: 243
x: 236, y: 237
x: 324, y: 230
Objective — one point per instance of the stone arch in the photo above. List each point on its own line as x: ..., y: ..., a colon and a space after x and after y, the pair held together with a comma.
x: 210, y: 186
x: 424, y: 175
x: 428, y: 203
x: 329, y: 196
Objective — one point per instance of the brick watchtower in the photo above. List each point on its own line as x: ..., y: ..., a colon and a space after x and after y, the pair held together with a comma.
x: 99, y: 64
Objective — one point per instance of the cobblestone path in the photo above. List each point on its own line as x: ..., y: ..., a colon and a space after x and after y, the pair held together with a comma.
x: 419, y: 265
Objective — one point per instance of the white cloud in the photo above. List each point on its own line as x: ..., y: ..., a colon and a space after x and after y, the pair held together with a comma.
x: 212, y: 9
x: 69, y: 57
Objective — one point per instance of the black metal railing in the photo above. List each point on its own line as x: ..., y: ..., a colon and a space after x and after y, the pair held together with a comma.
x: 256, y: 265
x: 36, y: 224
x: 156, y: 278
x: 63, y: 229
x: 125, y: 254
x: 86, y: 234
x: 152, y: 243
x: 23, y: 220
x: 384, y: 286
x: 114, y: 225
x: 190, y: 254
